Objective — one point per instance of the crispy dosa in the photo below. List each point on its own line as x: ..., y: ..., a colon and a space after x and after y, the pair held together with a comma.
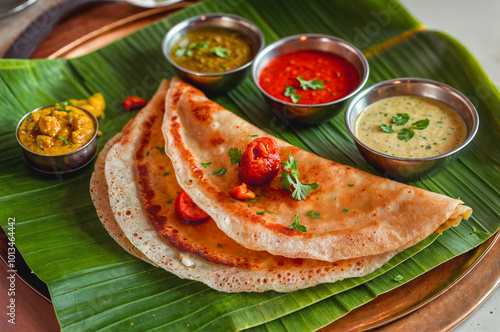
x: 360, y: 214
x: 141, y: 192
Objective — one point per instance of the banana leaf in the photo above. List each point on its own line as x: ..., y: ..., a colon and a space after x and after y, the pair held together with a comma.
x: 95, y: 285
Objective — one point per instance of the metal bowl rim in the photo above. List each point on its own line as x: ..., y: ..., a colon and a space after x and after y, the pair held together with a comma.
x: 194, y: 19
x: 405, y: 80
x: 92, y: 116
x: 293, y: 38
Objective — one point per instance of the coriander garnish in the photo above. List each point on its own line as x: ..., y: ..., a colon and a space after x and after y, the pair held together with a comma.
x: 167, y: 173
x: 297, y: 226
x: 221, y: 52
x: 313, y: 215
x: 345, y: 210
x: 220, y: 171
x: 206, y: 164
x: 160, y: 148
x: 291, y: 92
x: 386, y: 129
x: 234, y: 155
x: 400, y: 119
x: 291, y: 179
x: 314, y: 84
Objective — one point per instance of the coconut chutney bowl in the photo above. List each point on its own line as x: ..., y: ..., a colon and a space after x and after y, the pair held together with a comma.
x: 401, y: 111
x: 213, y: 52
x: 304, y: 94
x: 62, y: 154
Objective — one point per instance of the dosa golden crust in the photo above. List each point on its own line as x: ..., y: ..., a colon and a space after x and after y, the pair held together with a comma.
x: 361, y: 214
x: 195, y: 254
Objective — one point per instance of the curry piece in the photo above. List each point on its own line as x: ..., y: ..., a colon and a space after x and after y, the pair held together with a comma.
x: 56, y: 130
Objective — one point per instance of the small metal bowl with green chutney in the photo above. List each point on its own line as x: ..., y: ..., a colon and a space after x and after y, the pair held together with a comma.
x: 58, y: 139
x: 213, y: 52
x: 410, y: 129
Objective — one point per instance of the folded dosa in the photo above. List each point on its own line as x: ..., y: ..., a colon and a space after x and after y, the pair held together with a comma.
x: 141, y: 191
x: 360, y: 214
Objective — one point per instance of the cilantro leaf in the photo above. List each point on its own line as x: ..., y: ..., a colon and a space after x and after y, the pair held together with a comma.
x: 221, y: 52
x: 400, y: 119
x: 386, y: 129
x: 297, y: 226
x: 167, y: 173
x: 205, y: 165
x: 406, y: 134
x: 234, y: 155
x: 203, y: 45
x: 180, y: 52
x: 260, y: 212
x: 291, y: 92
x: 314, y: 84
x: 160, y: 148
x: 220, y: 171
x: 421, y: 124
x: 398, y: 278
x: 290, y: 180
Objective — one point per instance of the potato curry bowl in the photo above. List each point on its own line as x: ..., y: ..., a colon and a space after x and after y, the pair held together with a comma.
x: 59, y: 138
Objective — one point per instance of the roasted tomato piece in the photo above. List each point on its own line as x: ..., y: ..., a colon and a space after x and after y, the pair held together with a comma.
x: 133, y: 102
x: 187, y: 211
x: 260, y: 162
x: 242, y: 192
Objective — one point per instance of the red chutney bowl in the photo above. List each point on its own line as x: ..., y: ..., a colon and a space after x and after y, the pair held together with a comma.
x: 309, y: 78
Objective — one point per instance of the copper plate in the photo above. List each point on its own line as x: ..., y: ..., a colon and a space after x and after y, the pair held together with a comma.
x: 401, y: 308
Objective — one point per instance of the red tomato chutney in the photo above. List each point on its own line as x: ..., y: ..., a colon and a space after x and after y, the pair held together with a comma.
x: 338, y: 77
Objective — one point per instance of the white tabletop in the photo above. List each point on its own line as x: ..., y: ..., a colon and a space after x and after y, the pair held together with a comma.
x: 475, y: 25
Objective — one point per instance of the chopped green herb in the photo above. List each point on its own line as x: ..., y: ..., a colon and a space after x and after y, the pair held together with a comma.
x: 261, y: 193
x: 234, y: 155
x: 220, y: 171
x: 147, y: 153
x: 221, y: 52
x: 62, y: 106
x: 289, y: 180
x: 406, y: 134
x: 252, y: 200
x: 219, y: 245
x: 271, y: 212
x: 203, y: 45
x: 314, y: 215
x: 167, y: 173
x: 233, y: 202
x: 253, y: 135
x: 206, y: 164
x: 190, y: 180
x: 192, y: 46
x: 180, y: 52
x: 335, y: 198
x: 345, y: 210
x: 428, y: 147
x: 398, y: 278
x: 350, y: 185
x: 260, y: 212
x: 291, y: 92
x: 297, y: 226
x: 63, y: 139
x: 314, y: 84
x: 160, y: 148
x: 386, y: 129
x: 400, y: 119
x: 421, y: 124
x: 169, y: 201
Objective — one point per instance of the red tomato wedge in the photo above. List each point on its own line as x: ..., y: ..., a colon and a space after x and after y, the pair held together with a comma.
x: 187, y: 211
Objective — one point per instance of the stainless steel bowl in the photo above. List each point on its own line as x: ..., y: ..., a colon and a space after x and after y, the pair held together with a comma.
x: 62, y: 163
x: 214, y: 83
x: 406, y: 169
x: 310, y: 114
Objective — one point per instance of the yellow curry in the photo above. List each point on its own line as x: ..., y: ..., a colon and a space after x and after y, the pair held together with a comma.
x: 61, y: 128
